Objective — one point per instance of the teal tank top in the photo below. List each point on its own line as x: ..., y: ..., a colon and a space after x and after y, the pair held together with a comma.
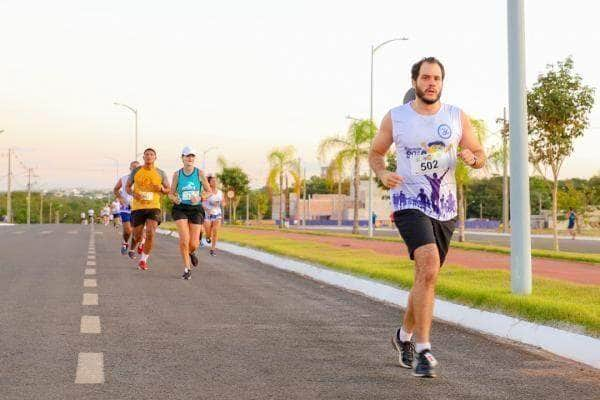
x: 189, y: 187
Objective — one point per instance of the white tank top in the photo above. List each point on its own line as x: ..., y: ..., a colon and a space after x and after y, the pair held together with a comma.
x: 426, y: 151
x: 125, y: 195
x: 214, y: 203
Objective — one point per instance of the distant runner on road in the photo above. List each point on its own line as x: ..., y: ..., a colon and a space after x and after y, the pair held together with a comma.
x: 146, y: 184
x: 125, y: 200
x: 215, y: 202
x: 429, y: 136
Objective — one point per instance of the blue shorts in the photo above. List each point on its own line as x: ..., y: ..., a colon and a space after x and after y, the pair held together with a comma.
x: 125, y: 217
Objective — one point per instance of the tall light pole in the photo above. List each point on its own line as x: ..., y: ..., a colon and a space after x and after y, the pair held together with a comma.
x: 520, y: 239
x: 135, y: 112
x: 204, y: 156
x: 370, y: 193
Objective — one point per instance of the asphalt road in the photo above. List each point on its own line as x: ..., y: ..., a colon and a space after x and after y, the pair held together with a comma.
x: 579, y: 245
x: 237, y: 330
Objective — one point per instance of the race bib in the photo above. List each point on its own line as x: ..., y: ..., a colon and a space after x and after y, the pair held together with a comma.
x: 147, y: 196
x: 428, y: 164
x: 188, y: 195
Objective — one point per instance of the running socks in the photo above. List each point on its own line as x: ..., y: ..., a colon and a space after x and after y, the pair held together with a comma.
x: 420, y: 347
x: 404, y: 336
x: 144, y: 257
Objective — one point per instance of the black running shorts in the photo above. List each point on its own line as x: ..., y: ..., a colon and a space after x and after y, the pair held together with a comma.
x: 418, y: 229
x: 194, y: 214
x: 139, y: 217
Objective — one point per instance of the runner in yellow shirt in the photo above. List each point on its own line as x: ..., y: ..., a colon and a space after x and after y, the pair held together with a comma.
x: 146, y: 184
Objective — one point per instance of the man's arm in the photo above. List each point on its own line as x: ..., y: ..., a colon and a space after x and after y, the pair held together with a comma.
x: 166, y: 187
x: 381, y: 144
x: 472, y: 151
x: 117, y: 189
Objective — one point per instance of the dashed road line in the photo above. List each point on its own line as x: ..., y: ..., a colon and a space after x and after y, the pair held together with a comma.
x: 90, y: 271
x: 90, y: 299
x: 90, y: 324
x: 90, y: 283
x: 90, y: 368
x: 91, y: 257
x: 90, y: 263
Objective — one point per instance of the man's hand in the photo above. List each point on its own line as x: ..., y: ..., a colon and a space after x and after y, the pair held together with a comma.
x: 390, y: 179
x: 468, y: 157
x: 137, y: 196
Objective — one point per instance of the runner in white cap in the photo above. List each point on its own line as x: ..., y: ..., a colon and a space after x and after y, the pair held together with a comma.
x: 188, y: 214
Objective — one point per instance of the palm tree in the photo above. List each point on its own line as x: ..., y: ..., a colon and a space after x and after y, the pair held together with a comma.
x: 335, y: 172
x: 354, y: 147
x: 283, y: 164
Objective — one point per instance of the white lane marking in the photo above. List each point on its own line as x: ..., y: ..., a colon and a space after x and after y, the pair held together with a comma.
x: 89, y: 263
x: 91, y: 257
x: 90, y: 271
x: 98, y: 233
x: 90, y: 283
x: 90, y: 299
x: 45, y: 232
x: 90, y: 324
x: 90, y: 368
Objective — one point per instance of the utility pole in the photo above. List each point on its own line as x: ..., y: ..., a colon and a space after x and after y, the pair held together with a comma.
x: 304, y: 202
x: 505, y: 195
x: 29, y: 196
x: 8, y: 189
x: 247, y: 208
x: 520, y: 238
x: 50, y: 214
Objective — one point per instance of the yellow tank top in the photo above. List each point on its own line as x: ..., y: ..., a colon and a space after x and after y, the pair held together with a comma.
x: 143, y: 181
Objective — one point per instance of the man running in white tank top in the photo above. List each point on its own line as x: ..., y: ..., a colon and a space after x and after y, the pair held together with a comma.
x: 429, y: 137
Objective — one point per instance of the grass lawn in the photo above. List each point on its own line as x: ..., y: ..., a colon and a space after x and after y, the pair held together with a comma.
x: 555, y: 255
x: 564, y: 305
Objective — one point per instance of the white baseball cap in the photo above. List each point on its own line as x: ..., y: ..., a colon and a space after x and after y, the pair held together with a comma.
x: 187, y: 150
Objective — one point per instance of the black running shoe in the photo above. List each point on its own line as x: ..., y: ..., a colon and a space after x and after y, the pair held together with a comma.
x: 406, y: 351
x: 208, y: 240
x: 131, y: 254
x: 212, y: 253
x: 194, y: 259
x: 187, y: 275
x: 426, y: 364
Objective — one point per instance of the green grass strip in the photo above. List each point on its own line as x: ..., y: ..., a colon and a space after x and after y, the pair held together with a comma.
x: 550, y: 254
x: 563, y: 305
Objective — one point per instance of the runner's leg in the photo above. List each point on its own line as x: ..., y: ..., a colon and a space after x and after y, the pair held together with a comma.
x: 184, y: 240
x: 427, y: 266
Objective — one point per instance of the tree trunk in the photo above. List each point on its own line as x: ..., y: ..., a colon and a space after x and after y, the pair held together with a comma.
x: 287, y: 201
x: 356, y: 187
x: 281, y: 200
x: 461, y: 213
x: 340, y: 214
x: 555, y: 211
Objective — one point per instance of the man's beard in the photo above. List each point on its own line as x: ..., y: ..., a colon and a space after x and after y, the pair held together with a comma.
x: 421, y: 95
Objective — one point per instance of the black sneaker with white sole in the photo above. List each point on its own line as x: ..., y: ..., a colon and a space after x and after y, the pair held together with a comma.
x: 212, y: 253
x: 426, y: 364
x: 406, y: 351
x: 194, y: 259
x: 187, y: 275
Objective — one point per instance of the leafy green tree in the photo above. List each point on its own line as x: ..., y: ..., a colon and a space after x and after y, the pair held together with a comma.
x: 558, y: 107
x: 284, y: 164
x: 234, y: 178
x: 572, y: 198
x: 351, y: 148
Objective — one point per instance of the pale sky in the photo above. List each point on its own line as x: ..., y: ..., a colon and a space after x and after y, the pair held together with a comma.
x: 249, y: 76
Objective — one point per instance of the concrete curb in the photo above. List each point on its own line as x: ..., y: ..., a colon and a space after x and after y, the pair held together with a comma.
x: 574, y: 346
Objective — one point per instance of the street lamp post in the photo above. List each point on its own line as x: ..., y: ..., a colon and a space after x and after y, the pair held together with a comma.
x: 370, y: 192
x: 136, y: 127
x: 204, y: 156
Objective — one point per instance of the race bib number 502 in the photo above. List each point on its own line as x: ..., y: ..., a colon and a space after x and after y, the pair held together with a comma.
x: 427, y: 164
